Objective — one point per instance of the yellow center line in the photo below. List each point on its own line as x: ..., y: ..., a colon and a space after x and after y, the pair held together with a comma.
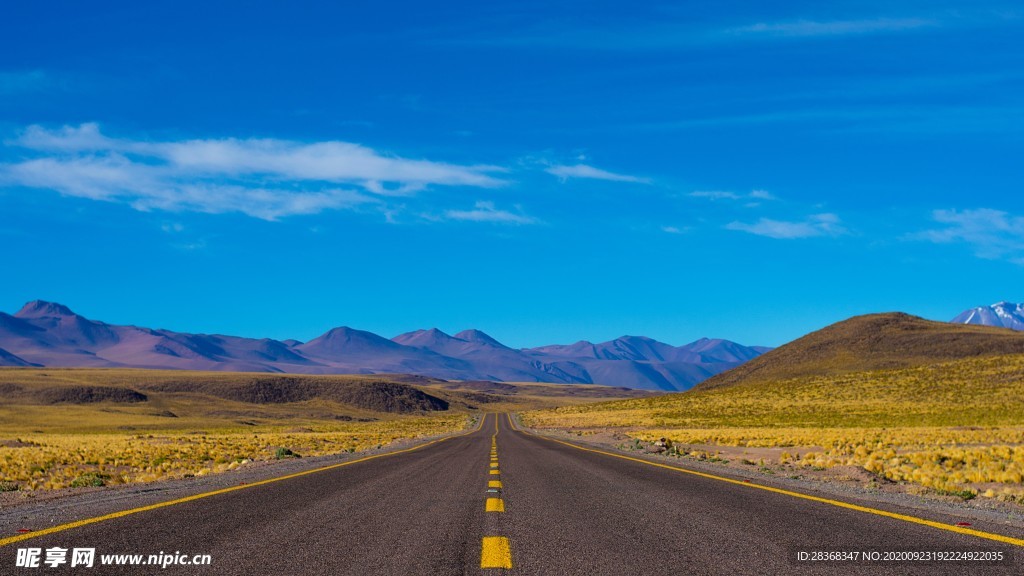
x: 495, y: 552
x: 495, y: 505
x: 158, y: 505
x: 838, y: 503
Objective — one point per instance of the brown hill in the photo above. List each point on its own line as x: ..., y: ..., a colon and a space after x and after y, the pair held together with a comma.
x: 72, y: 394
x: 872, y: 342
x: 87, y: 386
x: 376, y: 395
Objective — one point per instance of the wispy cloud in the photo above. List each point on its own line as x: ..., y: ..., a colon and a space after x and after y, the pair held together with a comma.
x: 727, y: 195
x: 684, y: 33
x: 565, y: 171
x: 263, y: 178
x: 806, y: 28
x: 815, y: 225
x: 484, y: 211
x: 715, y: 195
x: 993, y: 234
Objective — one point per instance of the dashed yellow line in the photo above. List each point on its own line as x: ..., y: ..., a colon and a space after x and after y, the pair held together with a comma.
x: 495, y: 505
x: 158, y: 505
x: 837, y: 503
x: 496, y: 552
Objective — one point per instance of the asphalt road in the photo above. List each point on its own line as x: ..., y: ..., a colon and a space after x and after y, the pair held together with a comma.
x: 501, y: 497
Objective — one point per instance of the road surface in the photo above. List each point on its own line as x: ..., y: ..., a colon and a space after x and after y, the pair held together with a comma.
x: 498, y: 500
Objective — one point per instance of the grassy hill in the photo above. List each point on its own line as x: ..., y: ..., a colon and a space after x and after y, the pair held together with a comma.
x: 972, y: 392
x: 873, y: 342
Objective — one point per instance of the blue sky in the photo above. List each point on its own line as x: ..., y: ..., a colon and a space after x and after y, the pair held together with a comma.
x: 546, y: 172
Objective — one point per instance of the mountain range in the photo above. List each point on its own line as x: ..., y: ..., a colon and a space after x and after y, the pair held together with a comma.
x: 1000, y: 314
x: 50, y: 334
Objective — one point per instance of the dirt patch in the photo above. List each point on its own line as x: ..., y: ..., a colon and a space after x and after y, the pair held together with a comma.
x: 17, y: 444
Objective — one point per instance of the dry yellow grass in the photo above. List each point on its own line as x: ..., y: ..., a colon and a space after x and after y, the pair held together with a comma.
x: 177, y: 434
x: 955, y: 427
x: 60, y: 460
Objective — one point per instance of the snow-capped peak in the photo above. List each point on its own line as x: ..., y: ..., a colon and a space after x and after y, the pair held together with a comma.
x: 1002, y: 314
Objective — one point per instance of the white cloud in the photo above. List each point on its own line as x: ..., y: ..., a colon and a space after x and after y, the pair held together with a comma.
x: 715, y: 195
x: 671, y: 230
x: 82, y: 138
x: 807, y: 28
x: 264, y: 178
x: 726, y: 195
x: 814, y: 225
x: 762, y: 195
x: 486, y: 212
x: 994, y: 234
x: 564, y: 172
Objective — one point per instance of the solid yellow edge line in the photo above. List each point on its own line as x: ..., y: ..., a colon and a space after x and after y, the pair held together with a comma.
x: 495, y: 552
x: 158, y: 505
x: 839, y: 503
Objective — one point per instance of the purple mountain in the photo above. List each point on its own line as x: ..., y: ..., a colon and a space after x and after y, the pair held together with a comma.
x: 8, y: 359
x: 50, y: 334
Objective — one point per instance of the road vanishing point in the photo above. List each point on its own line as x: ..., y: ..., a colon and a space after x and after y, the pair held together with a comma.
x: 500, y: 500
